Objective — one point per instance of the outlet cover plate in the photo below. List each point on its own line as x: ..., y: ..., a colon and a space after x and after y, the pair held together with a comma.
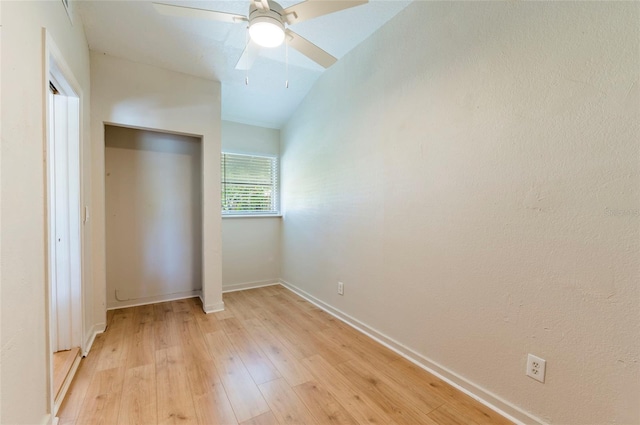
x: 536, y: 367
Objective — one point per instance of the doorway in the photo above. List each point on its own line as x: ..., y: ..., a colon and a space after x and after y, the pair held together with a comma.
x: 64, y: 229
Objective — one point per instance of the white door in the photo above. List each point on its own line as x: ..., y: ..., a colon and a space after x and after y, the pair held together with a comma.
x: 64, y: 221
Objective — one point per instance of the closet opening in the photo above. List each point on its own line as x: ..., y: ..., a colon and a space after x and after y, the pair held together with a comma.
x: 153, y: 211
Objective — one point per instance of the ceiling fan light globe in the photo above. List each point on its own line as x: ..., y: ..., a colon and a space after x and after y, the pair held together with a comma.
x: 266, y: 32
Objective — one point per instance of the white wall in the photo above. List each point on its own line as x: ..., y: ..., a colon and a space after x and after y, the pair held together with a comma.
x: 470, y: 172
x: 250, y: 245
x: 135, y: 95
x: 24, y: 356
x: 153, y: 188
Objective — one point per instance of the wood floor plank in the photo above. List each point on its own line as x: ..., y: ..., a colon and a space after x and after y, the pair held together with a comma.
x: 181, y: 306
x: 357, y: 346
x: 256, y: 362
x: 396, y: 404
x: 376, y: 363
x: 140, y: 349
x: 72, y: 403
x: 251, y: 299
x: 299, y: 335
x: 175, y: 402
x: 422, y: 380
x: 193, y: 345
x: 286, y: 363
x: 144, y: 314
x: 234, y: 302
x: 353, y: 399
x: 114, y: 351
x: 138, y: 404
x: 475, y: 411
x: 276, y: 326
x: 244, y: 395
x: 322, y: 404
x: 206, y: 322
x: 165, y: 329
x: 209, y: 396
x: 264, y: 419
x: 425, y: 401
x: 213, y: 407
x: 225, y: 314
x: 161, y: 311
x: 447, y: 415
x: 285, y: 404
x: 101, y: 405
x: 303, y: 311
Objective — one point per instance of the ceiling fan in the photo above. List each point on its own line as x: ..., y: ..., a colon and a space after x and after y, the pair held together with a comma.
x: 268, y: 25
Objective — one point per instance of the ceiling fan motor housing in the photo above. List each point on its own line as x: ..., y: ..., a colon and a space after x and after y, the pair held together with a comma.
x: 266, y: 27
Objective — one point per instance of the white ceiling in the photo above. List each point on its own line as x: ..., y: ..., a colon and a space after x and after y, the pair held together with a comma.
x: 134, y: 30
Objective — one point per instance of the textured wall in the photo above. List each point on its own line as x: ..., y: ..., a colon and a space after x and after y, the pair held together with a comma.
x: 140, y: 96
x: 24, y: 357
x: 470, y: 172
x: 250, y: 246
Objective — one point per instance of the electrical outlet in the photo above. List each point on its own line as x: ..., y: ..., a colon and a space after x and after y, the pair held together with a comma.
x: 536, y: 367
x: 340, y: 288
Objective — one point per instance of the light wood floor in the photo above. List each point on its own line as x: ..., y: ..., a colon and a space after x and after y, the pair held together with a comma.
x: 269, y: 358
x: 62, y: 364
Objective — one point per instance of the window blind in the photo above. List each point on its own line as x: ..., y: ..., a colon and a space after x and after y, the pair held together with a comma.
x: 249, y: 184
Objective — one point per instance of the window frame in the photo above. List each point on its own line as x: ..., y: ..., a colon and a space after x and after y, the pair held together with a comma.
x: 275, y: 186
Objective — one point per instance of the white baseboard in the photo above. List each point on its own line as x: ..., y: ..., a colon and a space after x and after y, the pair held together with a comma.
x: 88, y: 341
x: 211, y: 308
x: 478, y: 393
x: 248, y: 285
x: 153, y: 300
x: 49, y: 419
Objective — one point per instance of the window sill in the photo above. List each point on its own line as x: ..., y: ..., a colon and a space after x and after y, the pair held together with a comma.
x: 251, y: 215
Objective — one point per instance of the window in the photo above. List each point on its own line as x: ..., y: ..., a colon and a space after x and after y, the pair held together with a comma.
x: 249, y: 184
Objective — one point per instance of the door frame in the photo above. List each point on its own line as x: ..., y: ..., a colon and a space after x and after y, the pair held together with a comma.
x: 56, y: 69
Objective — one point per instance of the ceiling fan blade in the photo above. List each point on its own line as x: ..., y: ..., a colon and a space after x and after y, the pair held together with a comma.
x: 191, y: 12
x: 261, y: 4
x: 314, y: 8
x: 309, y: 49
x: 249, y: 56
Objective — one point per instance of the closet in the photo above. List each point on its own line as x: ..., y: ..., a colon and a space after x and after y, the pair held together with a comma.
x: 153, y: 206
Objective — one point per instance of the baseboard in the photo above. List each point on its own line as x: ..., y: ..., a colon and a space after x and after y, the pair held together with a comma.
x: 154, y: 300
x: 88, y: 341
x: 248, y: 285
x: 478, y: 393
x: 49, y: 419
x: 212, y: 308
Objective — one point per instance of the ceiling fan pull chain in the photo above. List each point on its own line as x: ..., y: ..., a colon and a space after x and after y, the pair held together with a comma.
x: 286, y: 61
x: 246, y: 46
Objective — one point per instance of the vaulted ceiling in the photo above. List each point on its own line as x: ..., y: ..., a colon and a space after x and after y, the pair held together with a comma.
x: 134, y: 30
